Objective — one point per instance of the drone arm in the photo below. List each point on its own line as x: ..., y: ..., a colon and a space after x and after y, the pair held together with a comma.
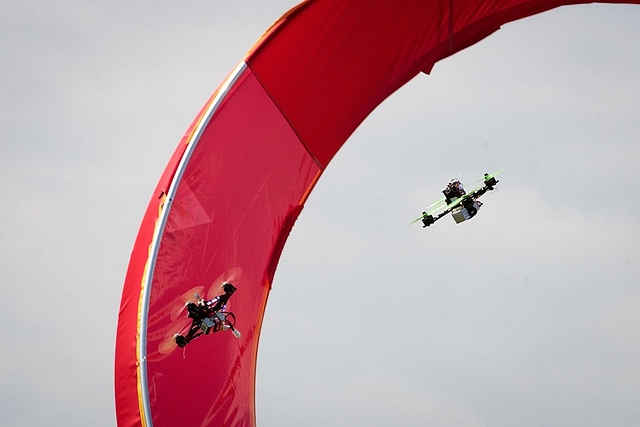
x: 430, y: 219
x: 229, y: 289
x: 489, y: 185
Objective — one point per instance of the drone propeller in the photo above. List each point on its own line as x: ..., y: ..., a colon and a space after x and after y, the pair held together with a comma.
x: 168, y: 343
x: 438, y: 204
x: 416, y: 220
x: 230, y: 276
x: 435, y: 205
x: 192, y: 295
x: 491, y: 175
x: 421, y: 217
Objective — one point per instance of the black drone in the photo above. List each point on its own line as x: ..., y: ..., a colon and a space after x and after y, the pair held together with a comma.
x: 209, y: 316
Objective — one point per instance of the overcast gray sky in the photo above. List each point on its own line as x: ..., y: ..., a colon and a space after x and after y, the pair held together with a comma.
x: 526, y: 316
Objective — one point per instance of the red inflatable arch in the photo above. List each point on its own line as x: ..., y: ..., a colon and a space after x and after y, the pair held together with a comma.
x: 228, y: 198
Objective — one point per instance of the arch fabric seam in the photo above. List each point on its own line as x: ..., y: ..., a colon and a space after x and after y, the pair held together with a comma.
x: 155, y: 241
x: 282, y: 112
